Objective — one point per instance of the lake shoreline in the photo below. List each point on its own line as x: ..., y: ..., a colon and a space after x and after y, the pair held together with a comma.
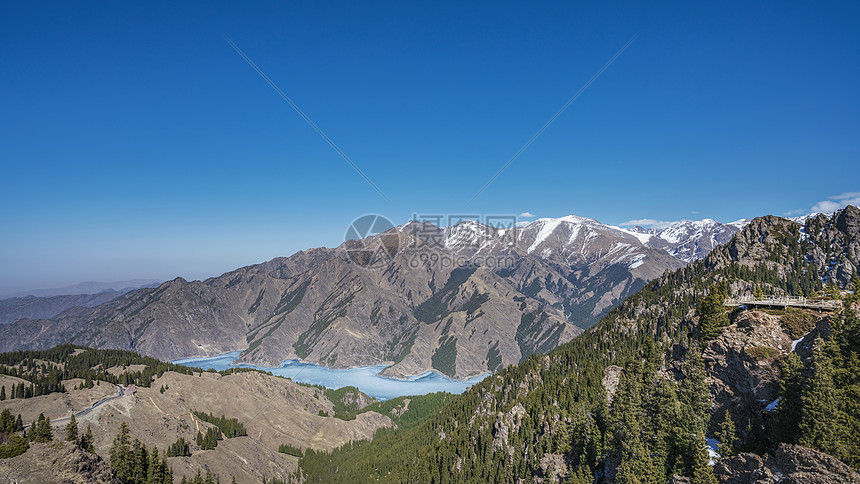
x: 368, y: 379
x: 385, y: 364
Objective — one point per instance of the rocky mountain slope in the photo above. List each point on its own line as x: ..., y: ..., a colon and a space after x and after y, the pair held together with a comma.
x: 549, y: 418
x: 56, y: 462
x: 789, y: 464
x: 463, y: 300
x: 34, y: 307
x: 274, y: 411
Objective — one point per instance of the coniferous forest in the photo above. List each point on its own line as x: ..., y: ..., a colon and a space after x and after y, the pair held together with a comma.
x: 513, y: 424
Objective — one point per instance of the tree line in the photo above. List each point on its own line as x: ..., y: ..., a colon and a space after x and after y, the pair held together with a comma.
x: 230, y: 427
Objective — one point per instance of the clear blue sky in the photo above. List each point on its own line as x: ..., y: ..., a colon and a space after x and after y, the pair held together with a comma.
x: 135, y: 142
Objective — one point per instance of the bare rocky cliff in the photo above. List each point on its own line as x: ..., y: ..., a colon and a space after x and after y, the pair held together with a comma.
x: 741, y: 362
x: 56, y: 462
x: 789, y: 464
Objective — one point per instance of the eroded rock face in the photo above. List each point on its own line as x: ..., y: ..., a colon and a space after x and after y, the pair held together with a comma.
x: 357, y: 399
x: 790, y: 464
x: 843, y: 234
x: 553, y: 466
x: 751, y: 244
x: 508, y: 423
x: 741, y: 364
x: 56, y: 462
x: 611, y: 377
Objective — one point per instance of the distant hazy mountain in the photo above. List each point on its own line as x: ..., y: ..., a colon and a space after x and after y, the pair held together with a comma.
x: 463, y: 299
x: 33, y: 307
x: 88, y: 287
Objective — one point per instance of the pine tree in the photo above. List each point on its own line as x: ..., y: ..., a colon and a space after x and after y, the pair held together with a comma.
x: 154, y: 474
x: 46, y: 431
x: 727, y: 436
x: 694, y: 394
x: 832, y: 291
x: 121, y: 458
x: 19, y: 424
x: 820, y: 426
x: 166, y: 471
x: 788, y: 410
x: 159, y: 472
x: 86, y: 441
x: 855, y: 289
x: 695, y: 403
x: 72, y: 429
x: 210, y: 440
x: 7, y: 422
x: 712, y: 313
x: 664, y: 415
x: 636, y: 465
x: 140, y: 462
x: 41, y: 431
x: 581, y: 476
x: 703, y: 473
x: 179, y: 448
x: 2, y: 393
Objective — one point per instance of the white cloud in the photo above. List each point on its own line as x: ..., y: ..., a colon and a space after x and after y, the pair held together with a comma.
x: 846, y: 196
x: 527, y: 215
x: 836, y: 202
x: 826, y: 206
x: 648, y: 222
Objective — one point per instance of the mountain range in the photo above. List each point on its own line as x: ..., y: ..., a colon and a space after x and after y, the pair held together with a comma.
x: 87, y: 287
x: 648, y: 395
x: 669, y: 386
x: 35, y: 307
x: 463, y: 299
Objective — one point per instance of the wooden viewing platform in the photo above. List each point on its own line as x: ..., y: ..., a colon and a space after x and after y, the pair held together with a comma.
x: 785, y: 302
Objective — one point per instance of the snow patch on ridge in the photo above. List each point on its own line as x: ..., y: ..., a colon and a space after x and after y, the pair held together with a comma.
x: 643, y: 238
x: 636, y: 261
x: 547, y: 226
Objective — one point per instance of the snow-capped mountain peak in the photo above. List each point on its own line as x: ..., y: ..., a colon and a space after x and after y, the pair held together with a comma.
x: 581, y: 239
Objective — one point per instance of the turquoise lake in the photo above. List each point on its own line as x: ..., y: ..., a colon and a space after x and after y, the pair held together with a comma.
x: 366, y: 378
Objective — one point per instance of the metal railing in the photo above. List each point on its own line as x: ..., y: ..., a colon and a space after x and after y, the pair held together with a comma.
x: 784, y: 302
